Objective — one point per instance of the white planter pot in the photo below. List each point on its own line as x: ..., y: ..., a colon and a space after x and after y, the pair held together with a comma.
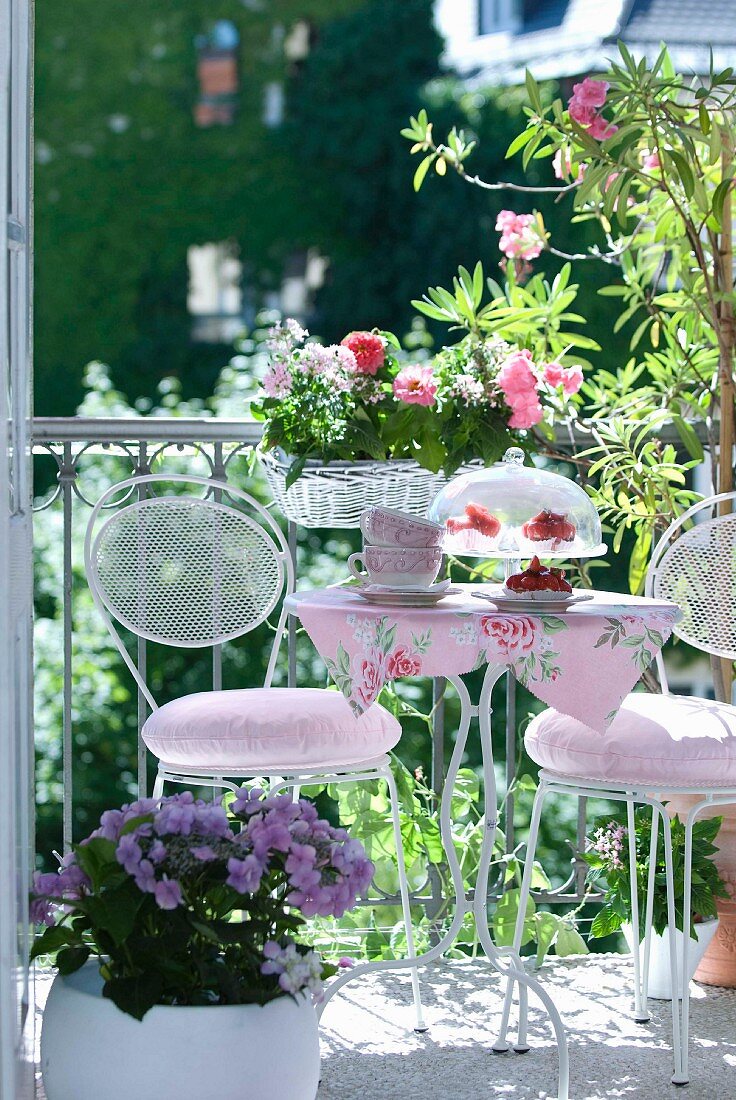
x: 334, y: 494
x: 90, y: 1050
x: 659, y: 960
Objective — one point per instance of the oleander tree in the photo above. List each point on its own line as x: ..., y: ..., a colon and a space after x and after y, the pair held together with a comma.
x: 647, y: 156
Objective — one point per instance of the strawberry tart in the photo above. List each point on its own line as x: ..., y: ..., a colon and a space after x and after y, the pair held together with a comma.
x: 538, y: 578
x: 550, y: 527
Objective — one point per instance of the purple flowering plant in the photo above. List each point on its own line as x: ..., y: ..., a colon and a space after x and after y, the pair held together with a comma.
x: 186, y: 902
x: 607, y: 856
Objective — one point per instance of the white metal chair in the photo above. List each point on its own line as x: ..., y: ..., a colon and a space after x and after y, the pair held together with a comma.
x: 657, y: 743
x: 194, y: 571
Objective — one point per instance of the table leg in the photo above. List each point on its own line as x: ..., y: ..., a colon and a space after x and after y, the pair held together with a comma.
x: 505, y: 960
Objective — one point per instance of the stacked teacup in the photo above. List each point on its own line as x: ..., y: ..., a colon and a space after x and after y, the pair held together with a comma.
x: 400, y: 551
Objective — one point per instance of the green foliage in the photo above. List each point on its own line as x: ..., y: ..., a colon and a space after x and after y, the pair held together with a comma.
x: 368, y: 808
x: 608, y: 860
x: 125, y: 183
x: 655, y: 186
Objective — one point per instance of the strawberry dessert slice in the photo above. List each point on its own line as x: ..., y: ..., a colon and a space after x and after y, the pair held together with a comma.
x: 538, y: 578
x: 482, y: 520
x: 476, y: 518
x: 549, y: 526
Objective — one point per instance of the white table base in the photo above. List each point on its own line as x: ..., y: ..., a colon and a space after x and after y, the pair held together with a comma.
x: 505, y: 961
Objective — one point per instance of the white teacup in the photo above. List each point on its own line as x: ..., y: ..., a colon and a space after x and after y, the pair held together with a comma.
x: 390, y: 527
x: 397, y: 566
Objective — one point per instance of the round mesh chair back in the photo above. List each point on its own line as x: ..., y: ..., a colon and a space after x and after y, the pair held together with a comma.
x: 185, y: 571
x: 698, y: 573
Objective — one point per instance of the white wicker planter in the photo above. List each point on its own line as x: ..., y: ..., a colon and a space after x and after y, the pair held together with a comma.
x: 335, y: 493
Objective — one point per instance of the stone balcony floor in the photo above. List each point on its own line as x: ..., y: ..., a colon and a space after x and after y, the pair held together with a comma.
x: 370, y: 1052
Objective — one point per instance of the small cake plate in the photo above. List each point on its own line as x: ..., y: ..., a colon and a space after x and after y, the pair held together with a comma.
x: 540, y: 602
x: 395, y: 596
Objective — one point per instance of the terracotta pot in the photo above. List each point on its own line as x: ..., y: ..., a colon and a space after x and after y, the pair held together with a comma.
x: 718, y: 966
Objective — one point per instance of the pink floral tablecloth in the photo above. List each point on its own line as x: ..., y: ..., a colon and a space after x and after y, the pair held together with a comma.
x: 582, y: 663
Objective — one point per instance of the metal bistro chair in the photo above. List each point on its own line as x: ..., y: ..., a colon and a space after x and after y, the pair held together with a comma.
x: 665, y: 743
x: 192, y: 571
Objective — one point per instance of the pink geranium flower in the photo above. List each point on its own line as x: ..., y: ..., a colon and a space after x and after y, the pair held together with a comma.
x: 415, y: 385
x: 526, y: 414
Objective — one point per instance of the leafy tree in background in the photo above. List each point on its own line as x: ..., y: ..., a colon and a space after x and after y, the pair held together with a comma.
x: 125, y: 183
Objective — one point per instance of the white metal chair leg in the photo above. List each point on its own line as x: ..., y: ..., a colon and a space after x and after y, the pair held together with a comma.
x: 678, y: 1077
x: 686, y: 916
x: 158, y: 787
x: 420, y: 1024
x: 649, y: 912
x: 639, y: 1014
x: 501, y: 1045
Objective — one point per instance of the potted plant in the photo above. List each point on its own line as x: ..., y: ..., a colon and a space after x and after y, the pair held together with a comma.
x: 172, y: 926
x: 356, y: 423
x: 607, y: 857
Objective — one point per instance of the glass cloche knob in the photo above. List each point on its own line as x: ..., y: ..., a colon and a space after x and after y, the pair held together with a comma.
x: 514, y: 456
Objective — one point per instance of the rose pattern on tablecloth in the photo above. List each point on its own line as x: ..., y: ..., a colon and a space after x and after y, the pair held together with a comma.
x: 378, y: 660
x: 612, y: 640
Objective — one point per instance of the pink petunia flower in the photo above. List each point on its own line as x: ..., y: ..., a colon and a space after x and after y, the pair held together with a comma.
x: 415, y: 385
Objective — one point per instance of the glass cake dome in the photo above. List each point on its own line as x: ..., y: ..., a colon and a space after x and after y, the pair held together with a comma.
x: 515, y: 511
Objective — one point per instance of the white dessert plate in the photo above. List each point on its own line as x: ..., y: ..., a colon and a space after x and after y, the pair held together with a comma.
x: 532, y: 601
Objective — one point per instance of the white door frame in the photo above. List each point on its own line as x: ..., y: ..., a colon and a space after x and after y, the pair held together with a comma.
x: 16, y: 584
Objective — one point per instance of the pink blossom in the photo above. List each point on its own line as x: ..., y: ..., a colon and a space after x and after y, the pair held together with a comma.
x: 516, y: 377
x: 580, y: 112
x: 369, y: 350
x: 600, y: 128
x: 651, y: 161
x: 590, y: 92
x: 565, y: 168
x: 277, y: 380
x: 526, y: 415
x: 554, y: 373
x: 570, y: 378
x: 520, y: 236
x: 415, y: 385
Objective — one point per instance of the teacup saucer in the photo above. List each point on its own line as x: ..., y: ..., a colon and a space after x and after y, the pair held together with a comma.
x: 403, y: 596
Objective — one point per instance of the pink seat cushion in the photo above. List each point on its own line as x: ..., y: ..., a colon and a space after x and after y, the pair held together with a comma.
x: 263, y: 728
x: 672, y: 740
